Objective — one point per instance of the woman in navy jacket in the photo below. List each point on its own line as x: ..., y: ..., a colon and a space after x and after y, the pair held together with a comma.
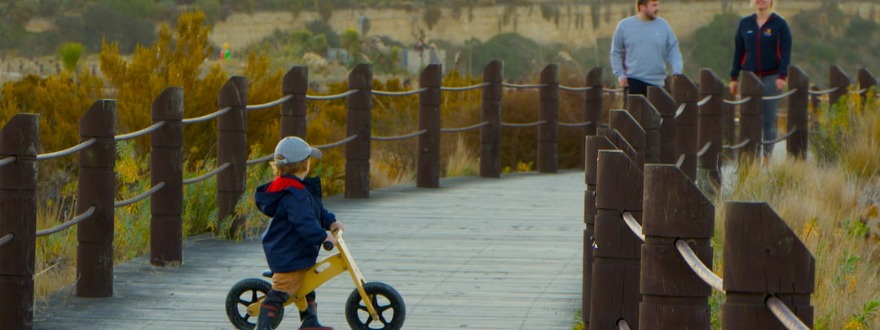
x: 763, y: 46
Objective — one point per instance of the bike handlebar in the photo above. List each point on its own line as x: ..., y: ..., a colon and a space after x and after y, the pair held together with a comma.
x: 327, y: 245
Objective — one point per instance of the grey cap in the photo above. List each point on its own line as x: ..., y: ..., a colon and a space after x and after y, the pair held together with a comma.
x: 293, y: 149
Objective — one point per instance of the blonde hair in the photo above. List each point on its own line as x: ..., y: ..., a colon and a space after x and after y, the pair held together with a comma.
x: 289, y: 169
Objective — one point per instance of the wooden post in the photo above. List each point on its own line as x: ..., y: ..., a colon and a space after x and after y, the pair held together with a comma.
x: 166, y: 164
x: 20, y: 138
x: 293, y: 111
x: 837, y: 78
x: 750, y: 123
x: 490, y: 135
x: 357, y: 152
x: 594, y: 143
x: 615, y: 287
x: 798, y: 113
x: 866, y: 82
x: 623, y: 122
x: 674, y: 297
x: 665, y: 104
x: 232, y: 148
x: 710, y: 126
x: 685, y: 92
x: 428, y: 171
x: 762, y: 258
x: 97, y: 187
x: 649, y: 119
x: 593, y: 98
x: 728, y: 126
x: 548, y: 158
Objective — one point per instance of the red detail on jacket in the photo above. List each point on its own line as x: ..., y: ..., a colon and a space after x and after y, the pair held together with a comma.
x: 281, y: 183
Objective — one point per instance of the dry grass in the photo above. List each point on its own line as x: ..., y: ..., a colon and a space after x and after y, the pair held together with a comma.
x: 462, y: 161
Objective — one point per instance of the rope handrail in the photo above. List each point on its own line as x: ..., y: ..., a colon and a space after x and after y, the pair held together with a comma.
x: 704, y: 100
x: 338, y: 143
x: 261, y: 159
x: 8, y: 160
x: 680, y: 160
x: 575, y: 89
x: 532, y: 124
x: 68, y: 151
x: 705, y: 149
x: 463, y: 129
x: 404, y: 93
x: 522, y: 86
x: 142, y: 132
x: 780, y: 96
x: 861, y: 91
x: 703, y: 272
x: 784, y: 314
x: 824, y: 91
x: 612, y: 90
x: 399, y: 137
x: 6, y: 238
x: 463, y: 88
x: 780, y: 139
x: 743, y: 101
x: 205, y: 176
x: 580, y: 124
x: 77, y: 219
x: 206, y: 117
x: 140, y: 197
x: 332, y: 97
x: 738, y: 146
x: 622, y: 325
x: 680, y: 110
x: 270, y: 104
x: 633, y: 225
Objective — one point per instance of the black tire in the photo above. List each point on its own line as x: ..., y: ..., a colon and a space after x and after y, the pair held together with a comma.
x: 385, y: 299
x: 243, y: 294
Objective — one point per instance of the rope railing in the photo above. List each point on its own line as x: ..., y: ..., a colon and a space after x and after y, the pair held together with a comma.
x: 861, y: 91
x: 463, y: 129
x: 404, y: 93
x: 332, y: 97
x: 463, y: 88
x: 140, y: 133
x: 575, y: 89
x: 206, y: 117
x: 704, y: 101
x: 705, y: 149
x: 7, y: 161
x: 140, y: 197
x: 703, y: 272
x: 523, y: 86
x: 785, y: 315
x: 337, y: 143
x: 270, y: 104
x: 780, y: 139
x: 738, y: 102
x: 680, y: 160
x: 260, y: 160
x: 518, y: 125
x: 633, y: 225
x: 68, y: 151
x: 738, y: 146
x: 6, y: 238
x: 580, y: 124
x: 780, y: 96
x: 622, y: 325
x: 612, y: 90
x: 398, y: 137
x: 205, y: 176
x: 77, y: 219
x: 825, y: 91
x: 680, y: 110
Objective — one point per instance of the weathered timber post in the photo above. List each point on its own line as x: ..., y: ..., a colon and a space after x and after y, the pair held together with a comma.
x: 166, y: 164
x: 293, y: 111
x: 750, y: 123
x: 623, y: 122
x: 594, y: 144
x: 548, y: 141
x: 710, y: 131
x: 20, y: 138
x: 673, y: 296
x: 619, y: 142
x: 615, y: 287
x: 665, y: 104
x: 763, y: 258
x: 232, y: 148
x: 685, y: 92
x: 428, y: 170
x: 490, y: 135
x: 728, y: 126
x: 649, y: 119
x: 96, y: 187
x: 798, y: 113
x: 866, y: 82
x: 592, y: 103
x: 357, y: 152
x: 840, y: 80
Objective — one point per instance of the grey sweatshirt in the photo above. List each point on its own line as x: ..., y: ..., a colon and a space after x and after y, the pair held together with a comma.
x: 641, y: 49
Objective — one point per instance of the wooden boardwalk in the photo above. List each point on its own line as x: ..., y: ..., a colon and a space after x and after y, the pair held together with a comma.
x: 474, y: 254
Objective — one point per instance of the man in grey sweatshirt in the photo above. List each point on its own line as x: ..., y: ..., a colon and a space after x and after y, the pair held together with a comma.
x: 642, y: 46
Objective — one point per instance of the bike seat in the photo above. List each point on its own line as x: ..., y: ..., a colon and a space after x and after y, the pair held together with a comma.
x: 267, y: 273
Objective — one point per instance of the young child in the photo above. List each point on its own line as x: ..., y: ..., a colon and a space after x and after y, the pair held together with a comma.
x: 297, y: 230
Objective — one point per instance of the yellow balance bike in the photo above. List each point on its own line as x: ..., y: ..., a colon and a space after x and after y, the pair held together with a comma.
x: 371, y: 305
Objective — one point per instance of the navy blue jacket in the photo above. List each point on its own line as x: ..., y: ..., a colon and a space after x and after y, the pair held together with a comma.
x: 765, y: 50
x: 299, y: 222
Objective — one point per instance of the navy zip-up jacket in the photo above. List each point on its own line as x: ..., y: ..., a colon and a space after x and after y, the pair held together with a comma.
x: 764, y: 50
x: 299, y: 222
